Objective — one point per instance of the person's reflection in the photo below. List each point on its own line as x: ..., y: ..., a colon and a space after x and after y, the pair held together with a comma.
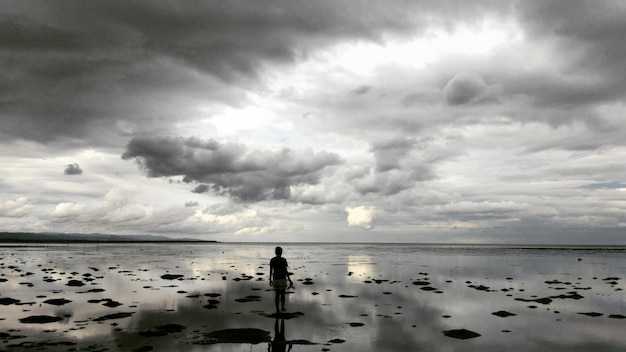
x: 279, y: 344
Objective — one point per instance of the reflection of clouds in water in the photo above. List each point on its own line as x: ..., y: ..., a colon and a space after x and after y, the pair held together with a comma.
x: 361, y: 265
x: 398, y: 315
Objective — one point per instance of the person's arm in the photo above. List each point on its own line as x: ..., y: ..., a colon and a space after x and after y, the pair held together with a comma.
x: 288, y: 276
x: 271, y: 273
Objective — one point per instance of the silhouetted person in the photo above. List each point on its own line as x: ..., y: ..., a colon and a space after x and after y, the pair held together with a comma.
x: 279, y: 344
x: 279, y: 276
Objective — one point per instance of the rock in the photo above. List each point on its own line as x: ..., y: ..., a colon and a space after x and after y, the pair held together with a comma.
x: 570, y: 295
x: 162, y: 330
x: 93, y: 290
x: 111, y: 303
x: 171, y: 276
x: 57, y: 301
x: 347, y: 296
x: 114, y: 316
x: 462, y: 334
x: 355, y: 324
x: 617, y: 316
x: 336, y: 341
x: 248, y: 299
x: 76, y: 283
x: 545, y: 300
x: 6, y: 301
x: 245, y: 335
x: 40, y: 319
x: 503, y: 314
x: 480, y: 287
x: 592, y: 314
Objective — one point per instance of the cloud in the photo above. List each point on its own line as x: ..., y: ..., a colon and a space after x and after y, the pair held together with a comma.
x: 360, y: 216
x: 468, y: 88
x: 73, y: 169
x: 362, y: 90
x: 230, y: 169
x: 15, y: 208
x: 98, y: 70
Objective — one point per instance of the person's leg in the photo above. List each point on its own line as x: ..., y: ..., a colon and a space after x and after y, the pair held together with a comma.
x: 282, y: 297
x: 276, y: 298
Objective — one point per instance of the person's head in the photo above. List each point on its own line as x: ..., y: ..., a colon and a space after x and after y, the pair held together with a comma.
x: 278, y: 251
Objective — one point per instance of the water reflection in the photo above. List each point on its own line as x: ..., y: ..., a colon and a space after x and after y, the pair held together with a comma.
x: 391, y: 298
x: 279, y: 343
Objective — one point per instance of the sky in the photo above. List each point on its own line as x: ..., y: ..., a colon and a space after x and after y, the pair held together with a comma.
x: 289, y: 121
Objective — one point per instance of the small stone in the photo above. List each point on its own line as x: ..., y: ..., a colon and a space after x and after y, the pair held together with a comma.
x: 462, y: 334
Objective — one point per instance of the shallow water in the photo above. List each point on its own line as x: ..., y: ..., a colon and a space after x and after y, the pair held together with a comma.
x: 401, y: 297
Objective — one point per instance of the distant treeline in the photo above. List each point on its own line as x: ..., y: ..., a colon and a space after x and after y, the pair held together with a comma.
x: 29, y: 237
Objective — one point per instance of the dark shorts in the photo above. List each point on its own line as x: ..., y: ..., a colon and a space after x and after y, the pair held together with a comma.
x: 280, y: 284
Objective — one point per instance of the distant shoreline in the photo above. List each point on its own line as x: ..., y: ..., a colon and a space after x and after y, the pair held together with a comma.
x: 55, y: 238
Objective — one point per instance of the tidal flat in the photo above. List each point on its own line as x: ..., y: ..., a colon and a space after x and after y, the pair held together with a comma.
x: 347, y: 297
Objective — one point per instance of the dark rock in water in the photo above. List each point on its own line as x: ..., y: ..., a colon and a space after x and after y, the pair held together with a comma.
x: 462, y: 334
x: 252, y: 336
x: 354, y: 324
x: 111, y: 303
x: 40, y: 319
x: 570, y: 295
x: 76, y: 283
x: 248, y: 299
x: 212, y: 295
x: 57, y: 301
x: 480, y: 287
x: 347, y: 296
x: 428, y: 288
x: 503, y: 314
x: 421, y: 283
x: 162, y: 330
x: 6, y: 301
x: 617, y: 316
x: 93, y: 290
x: 171, y: 276
x: 114, y: 316
x: 7, y: 336
x: 592, y: 314
x: 146, y: 348
x: 336, y: 341
x: 545, y: 300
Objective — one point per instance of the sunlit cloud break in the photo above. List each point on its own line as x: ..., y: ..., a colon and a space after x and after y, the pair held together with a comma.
x: 360, y: 216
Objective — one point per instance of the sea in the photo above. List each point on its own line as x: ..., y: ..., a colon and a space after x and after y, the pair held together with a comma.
x: 346, y: 297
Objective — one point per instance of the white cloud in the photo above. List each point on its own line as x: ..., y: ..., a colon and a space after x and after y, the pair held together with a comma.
x: 360, y: 216
x: 15, y: 208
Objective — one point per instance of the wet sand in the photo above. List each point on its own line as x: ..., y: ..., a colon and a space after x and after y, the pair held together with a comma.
x: 216, y: 297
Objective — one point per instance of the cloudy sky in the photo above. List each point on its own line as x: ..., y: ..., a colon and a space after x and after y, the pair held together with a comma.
x: 377, y: 121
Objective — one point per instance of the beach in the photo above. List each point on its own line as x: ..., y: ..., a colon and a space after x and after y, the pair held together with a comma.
x: 347, y: 297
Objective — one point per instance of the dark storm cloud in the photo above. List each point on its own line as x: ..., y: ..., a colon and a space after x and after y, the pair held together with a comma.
x: 69, y: 67
x: 389, y: 153
x: 229, y: 168
x: 589, y: 45
x: 73, y: 169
